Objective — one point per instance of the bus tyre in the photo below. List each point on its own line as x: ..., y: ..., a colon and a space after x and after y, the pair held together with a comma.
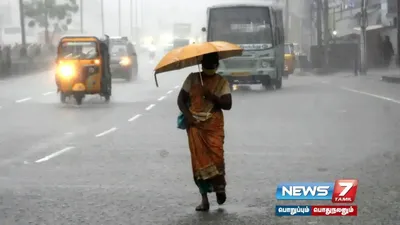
x: 278, y: 83
x: 268, y: 84
x: 286, y: 75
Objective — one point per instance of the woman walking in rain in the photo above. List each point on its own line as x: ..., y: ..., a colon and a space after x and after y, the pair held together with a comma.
x: 201, y: 100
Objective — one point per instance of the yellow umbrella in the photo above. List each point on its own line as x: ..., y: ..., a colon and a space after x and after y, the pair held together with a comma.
x: 192, y: 54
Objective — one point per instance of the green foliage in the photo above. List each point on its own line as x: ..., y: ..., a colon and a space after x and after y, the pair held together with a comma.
x: 44, y: 13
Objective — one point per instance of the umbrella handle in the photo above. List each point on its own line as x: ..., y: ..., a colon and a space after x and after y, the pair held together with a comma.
x: 201, y: 77
x: 155, y: 79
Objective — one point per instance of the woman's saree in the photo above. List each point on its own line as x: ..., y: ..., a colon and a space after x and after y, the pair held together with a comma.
x: 206, y: 139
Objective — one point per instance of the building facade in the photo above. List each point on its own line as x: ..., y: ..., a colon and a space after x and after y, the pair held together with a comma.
x: 381, y: 15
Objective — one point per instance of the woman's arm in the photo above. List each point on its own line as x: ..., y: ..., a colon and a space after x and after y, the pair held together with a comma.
x: 223, y: 99
x: 183, y: 99
x: 224, y: 102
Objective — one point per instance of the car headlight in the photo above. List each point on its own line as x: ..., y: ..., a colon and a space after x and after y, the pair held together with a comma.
x: 66, y: 70
x: 125, y: 61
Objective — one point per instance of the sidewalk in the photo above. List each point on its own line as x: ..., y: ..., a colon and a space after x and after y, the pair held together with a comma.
x: 27, y: 66
x: 391, y: 75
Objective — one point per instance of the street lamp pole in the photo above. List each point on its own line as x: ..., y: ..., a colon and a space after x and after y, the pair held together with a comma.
x: 327, y: 35
x: 119, y: 18
x: 22, y: 23
x: 319, y: 31
x: 137, y: 21
x: 81, y: 12
x: 287, y: 17
x: 363, y: 30
x: 131, y: 17
x: 102, y: 17
x: 398, y: 33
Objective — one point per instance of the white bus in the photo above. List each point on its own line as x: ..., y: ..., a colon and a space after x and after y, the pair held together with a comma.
x: 258, y: 28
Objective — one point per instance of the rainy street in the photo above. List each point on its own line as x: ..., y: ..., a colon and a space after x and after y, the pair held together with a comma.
x: 125, y: 162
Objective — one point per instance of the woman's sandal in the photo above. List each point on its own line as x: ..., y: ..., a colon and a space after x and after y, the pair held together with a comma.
x: 221, y: 197
x: 203, y: 207
x: 220, y: 194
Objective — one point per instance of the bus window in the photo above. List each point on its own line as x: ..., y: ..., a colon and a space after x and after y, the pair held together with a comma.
x: 241, y: 25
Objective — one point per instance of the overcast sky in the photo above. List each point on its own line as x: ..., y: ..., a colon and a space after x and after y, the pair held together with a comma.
x: 155, y: 16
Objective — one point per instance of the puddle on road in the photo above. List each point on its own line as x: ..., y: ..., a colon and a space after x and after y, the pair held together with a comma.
x: 226, y: 214
x: 232, y: 209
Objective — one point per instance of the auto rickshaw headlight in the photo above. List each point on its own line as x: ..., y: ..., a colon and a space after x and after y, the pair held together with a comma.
x: 125, y: 61
x: 66, y: 70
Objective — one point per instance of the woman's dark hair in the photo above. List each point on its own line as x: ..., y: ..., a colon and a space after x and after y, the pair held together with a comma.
x: 210, y: 61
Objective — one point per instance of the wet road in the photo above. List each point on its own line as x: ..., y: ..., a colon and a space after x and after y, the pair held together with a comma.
x: 125, y: 162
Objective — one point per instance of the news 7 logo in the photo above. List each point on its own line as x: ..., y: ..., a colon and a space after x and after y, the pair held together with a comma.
x: 345, y: 191
x: 342, y: 191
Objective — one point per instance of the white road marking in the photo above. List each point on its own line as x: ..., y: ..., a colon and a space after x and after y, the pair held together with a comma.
x: 107, y: 132
x: 169, y: 92
x: 161, y: 98
x: 325, y: 82
x: 135, y: 117
x: 372, y: 95
x: 48, y: 93
x: 177, y: 86
x: 23, y: 100
x: 150, y: 107
x: 54, y: 154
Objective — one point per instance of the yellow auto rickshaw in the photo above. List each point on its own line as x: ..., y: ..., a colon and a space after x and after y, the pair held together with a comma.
x: 290, y: 59
x: 83, y: 68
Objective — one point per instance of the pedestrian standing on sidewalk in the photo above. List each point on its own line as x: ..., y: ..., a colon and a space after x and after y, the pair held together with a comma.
x: 356, y: 61
x: 2, y: 63
x: 7, y: 58
x: 379, y: 51
x: 388, y: 52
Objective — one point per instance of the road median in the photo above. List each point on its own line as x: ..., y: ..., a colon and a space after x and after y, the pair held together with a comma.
x: 27, y: 66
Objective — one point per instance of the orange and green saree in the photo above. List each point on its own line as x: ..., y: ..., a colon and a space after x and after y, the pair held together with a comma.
x: 206, y: 139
